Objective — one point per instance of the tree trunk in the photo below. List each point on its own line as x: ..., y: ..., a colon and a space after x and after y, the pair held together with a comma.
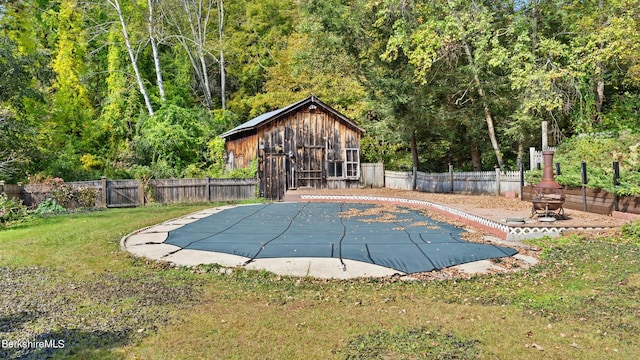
x: 125, y: 34
x: 204, y: 83
x: 476, y: 162
x: 487, y: 112
x: 223, y: 79
x: 599, y: 90
x: 154, y: 48
x: 600, y: 70
x: 520, y: 153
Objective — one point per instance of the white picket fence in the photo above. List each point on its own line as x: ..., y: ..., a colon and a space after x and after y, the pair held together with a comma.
x: 477, y: 182
x: 535, y: 157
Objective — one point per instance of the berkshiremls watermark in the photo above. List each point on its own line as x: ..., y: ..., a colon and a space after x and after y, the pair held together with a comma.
x: 31, y: 344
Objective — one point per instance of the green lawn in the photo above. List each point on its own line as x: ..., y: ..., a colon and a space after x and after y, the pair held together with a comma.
x: 65, y: 278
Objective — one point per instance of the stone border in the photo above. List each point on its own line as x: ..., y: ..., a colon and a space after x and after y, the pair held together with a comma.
x: 505, y: 232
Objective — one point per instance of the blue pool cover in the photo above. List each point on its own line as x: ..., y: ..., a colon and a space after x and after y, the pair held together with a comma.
x: 395, y: 237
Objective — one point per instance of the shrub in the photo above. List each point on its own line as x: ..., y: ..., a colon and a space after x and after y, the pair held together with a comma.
x: 86, y: 196
x: 68, y: 197
x: 244, y: 173
x: 12, y: 211
x: 62, y: 194
x: 49, y: 206
x: 631, y: 231
x: 599, y: 151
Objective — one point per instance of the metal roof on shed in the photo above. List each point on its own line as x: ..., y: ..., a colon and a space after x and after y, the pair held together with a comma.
x: 272, y: 115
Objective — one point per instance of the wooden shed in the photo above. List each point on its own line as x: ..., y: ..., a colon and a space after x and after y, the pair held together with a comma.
x: 307, y: 144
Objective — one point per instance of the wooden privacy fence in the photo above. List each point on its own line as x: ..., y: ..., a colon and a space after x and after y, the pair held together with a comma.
x: 199, y: 190
x: 477, y: 182
x: 130, y: 193
x: 34, y: 194
x: 372, y: 175
x: 12, y: 191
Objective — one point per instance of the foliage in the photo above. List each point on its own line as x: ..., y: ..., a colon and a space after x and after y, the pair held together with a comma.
x: 12, y: 211
x: 215, y: 156
x: 65, y: 196
x: 624, y: 115
x: 631, y: 232
x: 144, y: 174
x: 243, y: 173
x: 62, y: 194
x: 48, y: 206
x: 379, y: 150
x: 411, y: 73
x: 170, y: 140
x: 17, y: 146
x: 599, y: 152
x: 86, y: 196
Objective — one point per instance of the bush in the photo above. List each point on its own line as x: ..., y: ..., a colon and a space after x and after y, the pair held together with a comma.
x: 49, y: 206
x: 244, y: 173
x: 66, y: 196
x: 12, y: 211
x: 86, y: 196
x: 62, y: 194
x: 631, y: 231
x: 599, y: 151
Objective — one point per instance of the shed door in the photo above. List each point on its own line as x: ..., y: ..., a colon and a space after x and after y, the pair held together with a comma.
x: 273, y: 179
x: 311, y: 150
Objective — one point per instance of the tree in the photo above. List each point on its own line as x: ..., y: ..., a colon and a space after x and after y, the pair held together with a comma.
x: 25, y: 64
x: 533, y: 50
x: 151, y: 27
x: 223, y: 77
x: 120, y: 105
x: 605, y: 43
x: 258, y: 33
x: 132, y: 57
x: 450, y: 29
x: 71, y: 109
x: 189, y: 23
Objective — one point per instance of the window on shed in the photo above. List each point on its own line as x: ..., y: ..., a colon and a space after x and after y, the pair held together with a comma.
x: 352, y: 163
x: 335, y: 168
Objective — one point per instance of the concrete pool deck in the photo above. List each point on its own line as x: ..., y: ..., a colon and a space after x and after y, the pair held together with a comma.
x: 150, y: 243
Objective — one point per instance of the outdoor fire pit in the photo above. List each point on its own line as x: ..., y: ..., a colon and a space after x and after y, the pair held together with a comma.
x: 547, y: 196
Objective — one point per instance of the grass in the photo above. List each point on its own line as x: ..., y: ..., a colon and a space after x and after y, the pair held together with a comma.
x: 64, y: 277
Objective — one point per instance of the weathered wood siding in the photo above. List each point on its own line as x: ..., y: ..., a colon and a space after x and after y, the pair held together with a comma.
x: 124, y: 193
x: 179, y: 190
x: 241, y: 151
